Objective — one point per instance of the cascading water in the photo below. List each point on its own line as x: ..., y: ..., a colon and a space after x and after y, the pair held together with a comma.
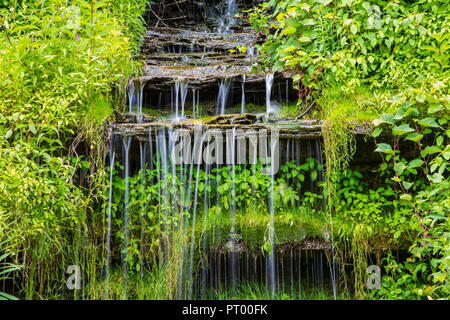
x: 204, y: 256
x: 216, y: 220
x: 224, y: 88
x: 181, y: 90
x: 243, y: 95
x: 131, y: 96
x: 193, y: 102
x: 140, y: 100
x: 126, y: 146
x: 136, y: 98
x: 227, y: 21
x: 269, y: 83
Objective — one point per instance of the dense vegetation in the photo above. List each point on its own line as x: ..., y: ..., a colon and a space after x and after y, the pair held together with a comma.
x: 64, y: 69
x: 387, y: 62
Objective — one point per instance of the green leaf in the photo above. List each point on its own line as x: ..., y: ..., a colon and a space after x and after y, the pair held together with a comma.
x: 384, y: 148
x: 428, y: 122
x: 406, y: 197
x: 32, y: 128
x: 435, y: 178
x: 433, y: 167
x: 430, y: 150
x: 435, y: 108
x: 407, y: 185
x: 354, y: 29
x: 414, y: 136
x: 415, y: 163
x: 406, y: 110
x: 309, y: 22
x: 401, y: 130
x: 399, y: 167
x: 421, y: 97
x: 8, y: 134
x: 7, y: 296
x: 376, y: 132
x: 387, y: 118
x: 439, y: 140
x: 289, y: 30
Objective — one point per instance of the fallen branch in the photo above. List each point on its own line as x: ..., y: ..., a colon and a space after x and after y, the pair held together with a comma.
x: 159, y: 19
x: 306, y: 111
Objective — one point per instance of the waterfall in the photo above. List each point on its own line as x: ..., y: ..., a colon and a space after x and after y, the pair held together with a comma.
x: 126, y: 146
x: 269, y: 83
x: 271, y: 257
x: 193, y: 103
x: 140, y: 100
x: 207, y: 226
x: 233, y: 260
x: 171, y: 99
x: 177, y: 90
x: 224, y: 88
x: 227, y: 21
x: 162, y: 179
x: 194, y: 214
x: 136, y: 98
x: 181, y: 90
x: 243, y: 94
x: 131, y: 95
x: 287, y: 91
x: 142, y: 153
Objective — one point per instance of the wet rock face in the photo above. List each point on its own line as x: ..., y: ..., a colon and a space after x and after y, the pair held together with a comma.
x: 194, y: 14
x: 198, y: 61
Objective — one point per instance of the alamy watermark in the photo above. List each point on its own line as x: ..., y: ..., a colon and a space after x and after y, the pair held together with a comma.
x: 374, y: 279
x: 231, y: 146
x: 73, y: 282
x: 74, y: 17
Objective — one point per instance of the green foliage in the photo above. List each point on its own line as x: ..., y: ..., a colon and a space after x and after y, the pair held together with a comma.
x: 424, y: 122
x: 64, y: 67
x: 251, y: 291
x: 382, y: 43
x: 363, y: 58
x: 5, y: 269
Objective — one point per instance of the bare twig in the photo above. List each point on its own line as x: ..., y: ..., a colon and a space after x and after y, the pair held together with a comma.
x: 159, y: 19
x: 306, y: 111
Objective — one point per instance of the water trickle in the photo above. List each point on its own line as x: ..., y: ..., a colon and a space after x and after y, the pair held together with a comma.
x: 251, y: 52
x: 193, y: 103
x: 224, y: 88
x: 141, y: 99
x: 287, y: 91
x: 194, y: 213
x: 142, y: 153
x: 131, y: 96
x: 271, y: 257
x: 181, y: 90
x: 243, y: 94
x: 126, y: 147
x: 227, y: 21
x: 136, y: 98
x: 269, y: 83
x: 112, y: 155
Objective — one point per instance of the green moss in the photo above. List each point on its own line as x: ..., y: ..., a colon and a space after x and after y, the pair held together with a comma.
x: 359, y: 103
x: 98, y: 110
x: 251, y: 225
